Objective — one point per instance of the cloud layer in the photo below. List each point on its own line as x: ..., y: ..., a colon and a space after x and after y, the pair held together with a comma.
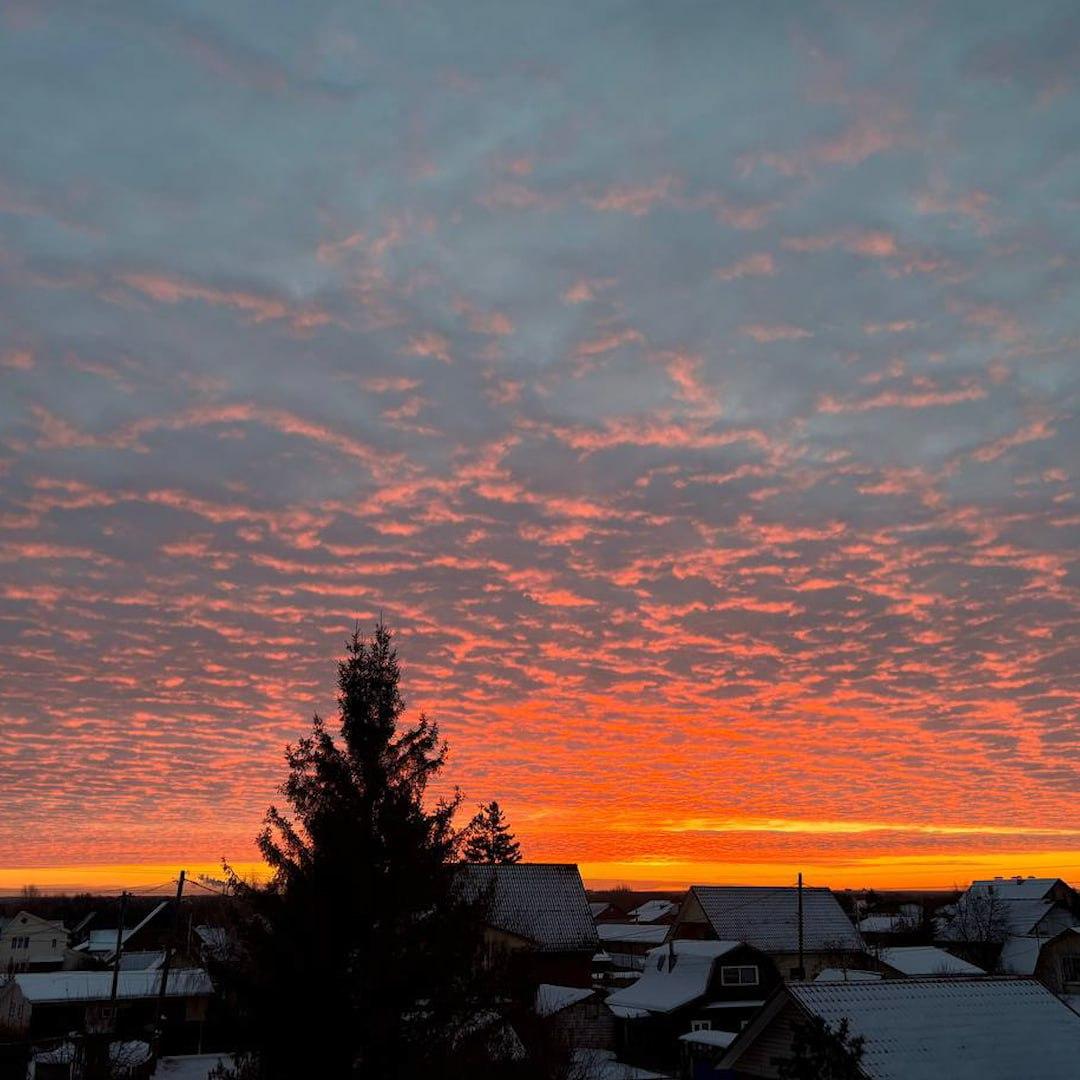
x: 695, y: 389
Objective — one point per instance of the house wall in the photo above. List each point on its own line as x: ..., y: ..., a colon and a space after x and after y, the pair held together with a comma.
x: 14, y: 1010
x: 1050, y: 967
x: 29, y: 943
x: 587, y: 1025
x: 773, y: 1044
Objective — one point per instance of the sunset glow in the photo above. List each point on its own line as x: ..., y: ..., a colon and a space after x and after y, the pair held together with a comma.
x: 696, y: 399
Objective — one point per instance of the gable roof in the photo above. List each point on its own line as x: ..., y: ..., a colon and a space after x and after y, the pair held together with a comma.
x: 665, y: 986
x: 923, y: 1029
x: 26, y: 922
x: 58, y: 986
x: 544, y: 903
x: 1017, y: 888
x: 926, y: 960
x: 768, y: 918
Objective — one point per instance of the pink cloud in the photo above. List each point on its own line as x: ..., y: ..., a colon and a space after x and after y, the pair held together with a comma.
x: 17, y: 359
x: 429, y: 344
x: 761, y: 264
x: 764, y: 332
x: 636, y: 200
x: 873, y: 243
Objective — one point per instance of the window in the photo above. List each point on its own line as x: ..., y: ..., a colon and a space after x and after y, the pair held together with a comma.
x: 738, y: 976
x: 701, y: 1025
x: 1070, y: 968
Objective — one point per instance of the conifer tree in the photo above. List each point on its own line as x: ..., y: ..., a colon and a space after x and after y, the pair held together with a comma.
x: 489, y: 839
x: 358, y: 956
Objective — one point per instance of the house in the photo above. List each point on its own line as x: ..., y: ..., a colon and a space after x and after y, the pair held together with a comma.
x: 575, y: 1016
x: 51, y: 1004
x: 922, y: 1029
x: 655, y: 911
x: 1030, y: 888
x: 689, y: 986
x: 626, y: 944
x: 768, y: 919
x: 1054, y: 961
x: 909, y: 960
x: 31, y: 943
x: 537, y: 913
x: 147, y: 934
x: 606, y: 911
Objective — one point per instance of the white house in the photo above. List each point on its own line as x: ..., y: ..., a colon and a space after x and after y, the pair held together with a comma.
x: 31, y: 943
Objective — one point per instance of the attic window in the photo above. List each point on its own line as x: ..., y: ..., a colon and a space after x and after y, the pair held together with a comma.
x: 739, y: 975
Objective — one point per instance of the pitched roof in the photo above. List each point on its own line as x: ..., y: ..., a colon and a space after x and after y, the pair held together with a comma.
x: 652, y: 910
x: 926, y: 960
x: 1020, y: 954
x: 551, y: 999
x: 1017, y: 888
x: 923, y: 1029
x: 846, y: 975
x: 665, y: 986
x: 55, y: 986
x: 768, y: 919
x: 545, y: 903
x: 648, y: 934
x: 105, y: 940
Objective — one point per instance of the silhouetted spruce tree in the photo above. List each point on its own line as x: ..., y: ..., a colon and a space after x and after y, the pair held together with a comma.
x: 359, y: 957
x: 820, y: 1053
x: 489, y: 839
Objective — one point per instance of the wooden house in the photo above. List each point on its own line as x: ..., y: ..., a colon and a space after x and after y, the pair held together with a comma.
x: 687, y: 987
x: 537, y: 916
x: 768, y: 918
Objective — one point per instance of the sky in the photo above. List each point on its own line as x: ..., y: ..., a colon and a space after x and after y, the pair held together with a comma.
x: 692, y: 386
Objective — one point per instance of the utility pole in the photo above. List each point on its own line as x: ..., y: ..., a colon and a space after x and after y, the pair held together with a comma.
x: 802, y: 968
x: 119, y: 950
x: 170, y: 942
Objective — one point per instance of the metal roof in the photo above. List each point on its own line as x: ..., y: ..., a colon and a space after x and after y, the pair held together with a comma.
x: 767, y: 918
x: 926, y: 960
x: 966, y: 1029
x: 545, y: 903
x: 56, y: 986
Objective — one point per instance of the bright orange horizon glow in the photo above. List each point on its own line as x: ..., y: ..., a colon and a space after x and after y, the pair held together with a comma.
x: 915, y: 871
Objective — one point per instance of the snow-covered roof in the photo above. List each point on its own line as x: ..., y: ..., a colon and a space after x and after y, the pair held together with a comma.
x: 885, y: 924
x: 926, y: 960
x: 1017, y: 888
x: 652, y: 910
x: 1022, y: 916
x: 598, y: 907
x: 146, y: 960
x: 767, y: 918
x: 665, y: 986
x: 648, y: 934
x: 551, y: 999
x: 104, y: 941
x: 189, y: 1066
x: 54, y: 986
x: 544, y: 903
x: 1019, y: 955
x: 846, y: 975
x: 723, y: 1039
x: 966, y: 1029
x: 603, y: 1065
